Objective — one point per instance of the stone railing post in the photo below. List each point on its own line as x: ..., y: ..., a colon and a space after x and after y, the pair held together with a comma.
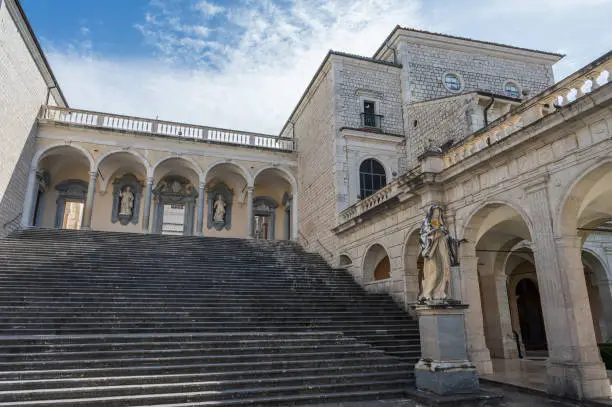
x: 91, y: 192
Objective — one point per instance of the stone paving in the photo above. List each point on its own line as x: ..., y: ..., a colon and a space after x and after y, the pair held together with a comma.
x: 512, y: 398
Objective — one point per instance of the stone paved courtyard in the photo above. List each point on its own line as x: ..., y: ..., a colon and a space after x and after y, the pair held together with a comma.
x: 512, y: 398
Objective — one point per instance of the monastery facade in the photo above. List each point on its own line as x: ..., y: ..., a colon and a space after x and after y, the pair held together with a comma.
x: 521, y: 164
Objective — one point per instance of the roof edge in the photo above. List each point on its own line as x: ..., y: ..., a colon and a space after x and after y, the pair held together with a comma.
x: 17, y: 12
x: 454, y: 37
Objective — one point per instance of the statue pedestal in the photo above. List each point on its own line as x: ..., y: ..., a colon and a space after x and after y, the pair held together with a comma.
x: 444, y: 368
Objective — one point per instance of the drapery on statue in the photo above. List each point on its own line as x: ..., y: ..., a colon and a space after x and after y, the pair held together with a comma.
x: 219, y: 209
x: 439, y: 252
x: 127, y: 201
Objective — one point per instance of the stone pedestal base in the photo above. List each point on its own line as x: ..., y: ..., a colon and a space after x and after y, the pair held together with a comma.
x: 444, y: 368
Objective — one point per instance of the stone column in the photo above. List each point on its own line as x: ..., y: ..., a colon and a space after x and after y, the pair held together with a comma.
x: 29, y: 199
x: 498, y: 321
x: 91, y: 192
x: 470, y: 294
x: 605, y: 295
x: 147, y: 206
x: 200, y: 216
x: 574, y: 367
x: 295, y: 232
x: 250, y: 212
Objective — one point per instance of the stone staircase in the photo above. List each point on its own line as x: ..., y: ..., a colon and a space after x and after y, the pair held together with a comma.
x: 114, y: 319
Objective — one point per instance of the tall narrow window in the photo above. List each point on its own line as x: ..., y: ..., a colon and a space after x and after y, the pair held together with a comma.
x: 372, y: 177
x: 369, y: 114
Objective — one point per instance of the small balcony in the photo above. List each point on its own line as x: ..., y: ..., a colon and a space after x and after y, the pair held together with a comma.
x: 371, y: 121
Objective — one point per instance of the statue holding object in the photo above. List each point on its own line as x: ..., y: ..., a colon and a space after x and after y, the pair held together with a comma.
x: 439, y: 252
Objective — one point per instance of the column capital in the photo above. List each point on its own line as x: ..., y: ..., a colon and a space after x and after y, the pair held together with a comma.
x: 202, y: 186
x: 150, y: 180
x: 569, y: 241
x: 250, y: 189
x: 93, y: 174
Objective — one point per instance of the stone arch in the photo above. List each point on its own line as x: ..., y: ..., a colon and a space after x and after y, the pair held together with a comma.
x: 572, y: 203
x: 40, y: 154
x: 600, y: 296
x: 246, y: 174
x: 140, y: 160
x: 483, y: 210
x: 190, y: 161
x: 376, y: 256
x: 289, y: 177
x: 345, y: 261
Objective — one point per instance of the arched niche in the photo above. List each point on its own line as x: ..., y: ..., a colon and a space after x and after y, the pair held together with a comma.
x: 264, y: 217
x: 227, y: 195
x: 69, y: 191
x: 174, y: 190
x: 122, y: 187
x: 376, y: 265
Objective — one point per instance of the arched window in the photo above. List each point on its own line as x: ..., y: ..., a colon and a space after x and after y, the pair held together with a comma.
x: 372, y: 177
x: 511, y: 89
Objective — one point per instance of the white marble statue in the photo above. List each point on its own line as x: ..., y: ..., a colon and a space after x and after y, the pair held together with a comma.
x: 438, y: 255
x: 127, y: 202
x: 219, y: 209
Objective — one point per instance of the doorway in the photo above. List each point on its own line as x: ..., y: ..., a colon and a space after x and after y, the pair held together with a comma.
x: 173, y: 220
x: 262, y: 227
x: 73, y: 214
x: 531, y: 320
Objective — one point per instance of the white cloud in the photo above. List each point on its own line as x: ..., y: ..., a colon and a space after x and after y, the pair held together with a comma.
x: 250, y: 78
x: 209, y: 9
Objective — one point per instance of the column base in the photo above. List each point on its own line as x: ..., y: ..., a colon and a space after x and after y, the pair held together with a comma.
x: 577, y: 381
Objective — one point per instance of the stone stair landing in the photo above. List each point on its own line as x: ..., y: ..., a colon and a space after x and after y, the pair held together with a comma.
x: 114, y: 319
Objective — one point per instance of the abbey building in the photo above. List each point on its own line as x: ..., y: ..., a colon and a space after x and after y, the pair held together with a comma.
x: 521, y: 164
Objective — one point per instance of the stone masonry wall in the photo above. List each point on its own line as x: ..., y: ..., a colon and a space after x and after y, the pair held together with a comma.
x: 439, y: 121
x: 22, y: 92
x: 427, y: 66
x: 358, y: 80
x: 315, y: 131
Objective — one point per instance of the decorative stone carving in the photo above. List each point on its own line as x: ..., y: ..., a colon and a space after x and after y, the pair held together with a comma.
x: 127, y: 192
x: 439, y: 252
x: 220, y: 200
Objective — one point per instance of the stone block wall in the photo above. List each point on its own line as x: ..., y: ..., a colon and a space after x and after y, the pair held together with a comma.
x: 22, y: 92
x: 357, y: 80
x: 437, y: 122
x: 314, y: 130
x: 426, y: 66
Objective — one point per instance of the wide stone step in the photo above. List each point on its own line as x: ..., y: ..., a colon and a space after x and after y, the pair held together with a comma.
x: 188, y: 366
x: 107, y: 389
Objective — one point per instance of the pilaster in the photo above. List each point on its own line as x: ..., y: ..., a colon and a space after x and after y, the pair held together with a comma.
x: 147, y: 205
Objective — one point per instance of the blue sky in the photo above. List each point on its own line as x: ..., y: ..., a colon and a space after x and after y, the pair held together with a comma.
x: 244, y: 63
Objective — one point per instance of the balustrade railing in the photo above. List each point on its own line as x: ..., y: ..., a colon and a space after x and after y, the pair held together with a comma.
x: 163, y: 128
x: 381, y: 196
x: 575, y: 86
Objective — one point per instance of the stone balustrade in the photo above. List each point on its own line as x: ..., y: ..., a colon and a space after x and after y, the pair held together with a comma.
x: 130, y: 124
x: 575, y: 86
x: 385, y: 194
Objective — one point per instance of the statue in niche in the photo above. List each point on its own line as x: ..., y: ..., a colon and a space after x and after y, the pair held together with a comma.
x: 439, y: 252
x: 220, y: 202
x: 127, y: 201
x: 219, y: 210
